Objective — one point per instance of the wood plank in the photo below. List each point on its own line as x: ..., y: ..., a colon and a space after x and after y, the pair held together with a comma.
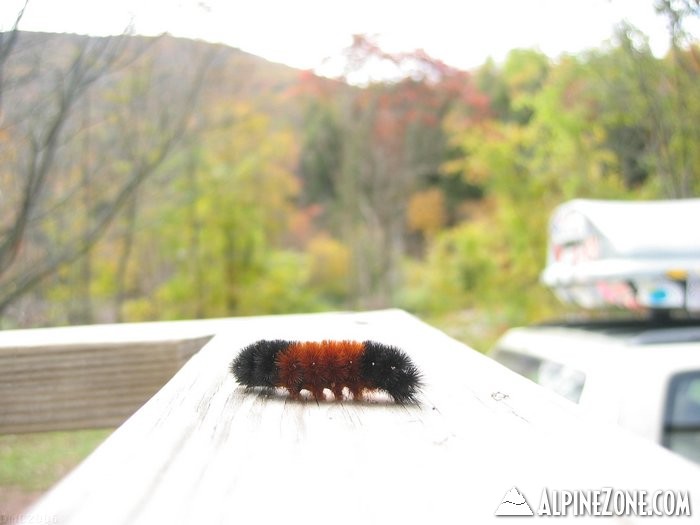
x: 83, y: 385
x: 205, y: 450
x: 46, y: 382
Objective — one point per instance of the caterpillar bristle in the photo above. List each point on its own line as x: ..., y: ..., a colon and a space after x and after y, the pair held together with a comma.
x: 333, y: 365
x: 391, y: 370
x: 256, y: 364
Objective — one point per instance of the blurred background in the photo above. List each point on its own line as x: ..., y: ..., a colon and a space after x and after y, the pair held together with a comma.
x: 158, y: 177
x: 177, y: 160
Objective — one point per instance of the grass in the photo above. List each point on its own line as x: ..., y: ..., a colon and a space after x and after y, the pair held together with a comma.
x: 34, y: 462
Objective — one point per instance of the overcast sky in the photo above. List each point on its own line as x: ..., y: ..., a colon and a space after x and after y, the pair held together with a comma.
x: 304, y: 33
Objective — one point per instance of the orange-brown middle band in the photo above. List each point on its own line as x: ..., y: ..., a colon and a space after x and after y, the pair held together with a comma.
x: 315, y: 366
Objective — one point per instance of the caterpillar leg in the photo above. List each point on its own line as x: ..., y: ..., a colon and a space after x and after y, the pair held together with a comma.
x: 318, y: 394
x: 356, y: 392
x: 294, y: 393
x: 337, y: 392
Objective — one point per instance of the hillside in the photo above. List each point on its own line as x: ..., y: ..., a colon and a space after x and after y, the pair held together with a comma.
x: 148, y: 179
x: 88, y: 123
x: 232, y: 73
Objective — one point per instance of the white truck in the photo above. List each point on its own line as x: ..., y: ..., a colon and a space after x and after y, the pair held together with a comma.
x: 643, y: 370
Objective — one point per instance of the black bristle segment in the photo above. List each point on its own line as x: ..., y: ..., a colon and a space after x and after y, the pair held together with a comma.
x: 255, y: 365
x: 242, y: 366
x: 388, y: 368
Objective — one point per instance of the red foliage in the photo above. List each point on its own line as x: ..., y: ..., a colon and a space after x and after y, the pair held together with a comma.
x: 428, y: 90
x: 301, y: 226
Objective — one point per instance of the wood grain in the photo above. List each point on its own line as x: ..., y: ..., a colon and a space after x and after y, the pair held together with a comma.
x: 83, y: 385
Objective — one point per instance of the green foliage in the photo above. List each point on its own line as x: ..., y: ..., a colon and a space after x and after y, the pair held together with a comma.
x: 218, y: 231
x: 432, y: 192
x: 329, y: 268
x: 492, y: 264
x: 282, y: 287
x: 453, y: 276
x: 558, y: 133
x: 523, y: 74
x: 321, y: 154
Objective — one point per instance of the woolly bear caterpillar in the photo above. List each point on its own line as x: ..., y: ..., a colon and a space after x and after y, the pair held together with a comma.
x: 315, y: 366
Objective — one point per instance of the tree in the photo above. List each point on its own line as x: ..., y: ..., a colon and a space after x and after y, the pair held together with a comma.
x: 651, y: 113
x: 43, y: 127
x: 684, y: 66
x: 217, y: 227
x: 393, y: 145
x: 8, y: 40
x: 547, y: 145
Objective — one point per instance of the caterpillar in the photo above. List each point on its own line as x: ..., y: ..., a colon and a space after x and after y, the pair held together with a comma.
x: 333, y: 365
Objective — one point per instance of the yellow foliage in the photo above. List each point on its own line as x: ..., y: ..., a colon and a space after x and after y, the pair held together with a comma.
x: 141, y: 309
x: 426, y: 212
x: 330, y: 264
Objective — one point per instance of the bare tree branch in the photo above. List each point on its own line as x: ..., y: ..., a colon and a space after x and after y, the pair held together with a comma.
x: 144, y: 164
x: 87, y: 67
x: 7, y: 44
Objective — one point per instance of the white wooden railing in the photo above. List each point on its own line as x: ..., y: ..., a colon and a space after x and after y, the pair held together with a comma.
x: 205, y: 450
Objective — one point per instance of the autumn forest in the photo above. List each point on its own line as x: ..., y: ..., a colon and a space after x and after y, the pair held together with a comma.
x: 160, y: 178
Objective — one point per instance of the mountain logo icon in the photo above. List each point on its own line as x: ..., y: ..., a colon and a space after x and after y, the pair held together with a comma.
x: 514, y: 504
